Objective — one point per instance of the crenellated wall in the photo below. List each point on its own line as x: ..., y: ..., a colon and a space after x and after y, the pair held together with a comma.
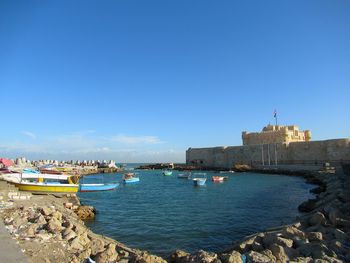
x: 305, y: 153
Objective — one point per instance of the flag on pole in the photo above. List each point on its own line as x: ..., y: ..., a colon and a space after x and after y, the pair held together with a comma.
x: 275, y: 114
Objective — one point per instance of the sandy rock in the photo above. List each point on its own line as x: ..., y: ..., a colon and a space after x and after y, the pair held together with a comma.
x: 314, y: 236
x: 179, y: 256
x: 67, y: 224
x: 31, y: 230
x: 203, y: 257
x: 76, y: 245
x: 233, y: 257
x: 108, y: 255
x: 292, y: 232
x: 96, y: 245
x: 57, y: 215
x: 245, y: 245
x: 68, y: 234
x: 314, y: 250
x: 46, y: 211
x: 332, y: 259
x: 268, y: 253
x: 40, y: 220
x: 85, y: 212
x: 54, y: 225
x: 317, y: 219
x: 279, y: 253
x: 284, y: 242
x: 84, y: 255
x: 19, y: 221
x: 255, y: 257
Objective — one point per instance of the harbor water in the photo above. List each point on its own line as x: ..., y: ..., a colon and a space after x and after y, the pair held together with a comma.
x: 164, y: 213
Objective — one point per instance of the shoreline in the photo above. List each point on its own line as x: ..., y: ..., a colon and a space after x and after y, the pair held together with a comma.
x: 321, y: 233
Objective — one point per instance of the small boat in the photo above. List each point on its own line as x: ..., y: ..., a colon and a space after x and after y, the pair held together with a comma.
x: 97, y: 187
x: 45, y: 183
x: 167, y: 173
x: 130, y: 178
x: 218, y: 179
x: 184, y: 176
x: 199, y: 179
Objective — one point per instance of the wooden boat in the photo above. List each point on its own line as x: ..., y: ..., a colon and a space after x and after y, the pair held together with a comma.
x: 97, y: 187
x: 218, y: 179
x: 167, y: 173
x: 129, y: 178
x: 47, y: 187
x: 43, y: 183
x: 199, y: 179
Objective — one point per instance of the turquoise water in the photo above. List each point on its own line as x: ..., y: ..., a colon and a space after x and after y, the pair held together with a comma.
x: 164, y: 213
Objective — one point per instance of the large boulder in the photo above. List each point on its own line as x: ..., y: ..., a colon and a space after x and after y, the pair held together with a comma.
x: 179, y: 256
x: 292, y: 232
x: 314, y: 236
x: 279, y: 253
x: 256, y: 257
x: 54, y: 225
x: 232, y: 257
x: 96, y: 245
x: 85, y: 212
x: 108, y: 255
x: 317, y: 219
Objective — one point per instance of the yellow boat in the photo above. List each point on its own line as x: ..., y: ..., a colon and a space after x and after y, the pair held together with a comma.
x: 47, y: 187
x: 47, y: 184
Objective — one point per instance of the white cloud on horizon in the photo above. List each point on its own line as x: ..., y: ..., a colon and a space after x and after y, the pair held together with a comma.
x: 77, y: 146
x: 125, y: 139
x: 29, y: 134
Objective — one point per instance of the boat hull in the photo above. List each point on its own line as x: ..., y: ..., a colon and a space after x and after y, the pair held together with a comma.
x: 47, y: 188
x: 199, y: 181
x: 97, y: 187
x: 167, y: 173
x: 131, y: 181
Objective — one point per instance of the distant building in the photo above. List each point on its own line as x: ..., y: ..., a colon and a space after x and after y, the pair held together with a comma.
x: 276, y: 134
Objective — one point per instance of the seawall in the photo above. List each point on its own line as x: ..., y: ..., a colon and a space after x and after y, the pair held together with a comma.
x: 335, y: 152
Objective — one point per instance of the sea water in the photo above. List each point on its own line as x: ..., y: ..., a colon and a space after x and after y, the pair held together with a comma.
x: 164, y: 213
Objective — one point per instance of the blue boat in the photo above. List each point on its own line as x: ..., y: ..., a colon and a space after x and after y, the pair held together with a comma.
x: 130, y: 178
x: 97, y: 187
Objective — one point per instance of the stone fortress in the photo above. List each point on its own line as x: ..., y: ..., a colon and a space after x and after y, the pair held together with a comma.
x: 274, y: 145
x: 276, y: 134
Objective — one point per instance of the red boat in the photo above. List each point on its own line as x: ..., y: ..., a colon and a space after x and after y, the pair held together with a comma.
x: 218, y: 179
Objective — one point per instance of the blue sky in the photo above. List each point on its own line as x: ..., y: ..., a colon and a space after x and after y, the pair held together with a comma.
x: 141, y: 81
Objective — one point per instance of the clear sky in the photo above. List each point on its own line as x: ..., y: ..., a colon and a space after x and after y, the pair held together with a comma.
x: 141, y: 81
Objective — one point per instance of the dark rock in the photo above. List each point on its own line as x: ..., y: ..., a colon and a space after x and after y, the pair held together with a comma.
x: 308, y: 205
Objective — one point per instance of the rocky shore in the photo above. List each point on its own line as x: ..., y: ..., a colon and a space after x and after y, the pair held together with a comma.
x: 49, y: 229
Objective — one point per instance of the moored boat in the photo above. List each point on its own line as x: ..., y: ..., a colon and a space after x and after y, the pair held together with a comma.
x: 167, y: 173
x: 218, y: 179
x: 184, y: 176
x: 130, y: 178
x: 97, y: 187
x: 47, y: 187
x: 199, y: 179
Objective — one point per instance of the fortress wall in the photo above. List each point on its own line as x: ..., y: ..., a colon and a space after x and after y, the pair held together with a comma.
x: 305, y: 153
